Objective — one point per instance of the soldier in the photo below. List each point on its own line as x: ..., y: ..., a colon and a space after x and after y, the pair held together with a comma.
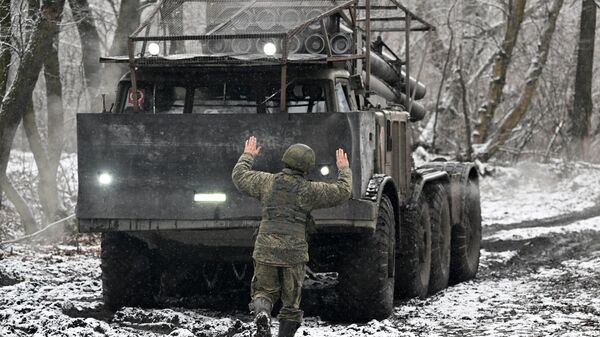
x: 280, y: 250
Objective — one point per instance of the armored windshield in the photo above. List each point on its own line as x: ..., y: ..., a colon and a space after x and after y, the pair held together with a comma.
x: 231, y: 96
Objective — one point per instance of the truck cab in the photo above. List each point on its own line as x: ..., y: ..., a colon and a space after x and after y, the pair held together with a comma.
x: 238, y: 91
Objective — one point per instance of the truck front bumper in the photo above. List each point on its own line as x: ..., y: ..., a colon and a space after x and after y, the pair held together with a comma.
x: 352, y: 216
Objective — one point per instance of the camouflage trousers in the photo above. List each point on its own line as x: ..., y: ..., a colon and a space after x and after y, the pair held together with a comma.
x: 283, y: 283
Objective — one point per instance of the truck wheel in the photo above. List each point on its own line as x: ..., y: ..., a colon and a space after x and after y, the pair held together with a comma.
x: 439, y: 212
x: 128, y: 276
x: 413, y: 263
x: 466, y: 237
x: 366, y: 277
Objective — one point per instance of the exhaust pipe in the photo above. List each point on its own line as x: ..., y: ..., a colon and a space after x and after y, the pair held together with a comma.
x: 315, y: 44
x: 242, y: 21
x: 294, y: 45
x: 382, y: 68
x: 266, y: 18
x: 417, y: 110
x: 241, y: 46
x: 218, y: 46
x: 341, y: 43
x: 290, y: 18
x: 390, y: 74
x: 311, y: 13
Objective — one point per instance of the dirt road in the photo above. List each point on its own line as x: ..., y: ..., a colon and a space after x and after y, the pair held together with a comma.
x: 536, y: 278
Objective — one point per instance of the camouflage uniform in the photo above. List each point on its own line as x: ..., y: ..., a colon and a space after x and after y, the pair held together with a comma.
x: 281, y: 250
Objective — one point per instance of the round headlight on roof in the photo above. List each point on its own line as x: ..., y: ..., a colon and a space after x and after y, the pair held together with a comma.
x: 153, y: 49
x: 270, y: 48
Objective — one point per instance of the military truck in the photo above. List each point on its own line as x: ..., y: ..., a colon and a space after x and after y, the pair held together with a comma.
x: 155, y: 171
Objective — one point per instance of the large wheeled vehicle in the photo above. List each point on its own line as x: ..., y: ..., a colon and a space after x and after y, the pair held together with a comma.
x: 155, y: 174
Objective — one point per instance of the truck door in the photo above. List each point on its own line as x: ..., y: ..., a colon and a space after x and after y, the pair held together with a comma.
x: 398, y: 152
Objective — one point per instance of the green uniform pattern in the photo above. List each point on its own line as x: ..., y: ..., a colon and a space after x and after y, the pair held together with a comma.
x: 286, y: 245
x: 280, y: 249
x: 283, y: 283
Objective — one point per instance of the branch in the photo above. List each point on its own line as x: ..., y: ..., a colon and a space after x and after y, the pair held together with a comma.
x: 444, y: 70
x: 26, y: 237
x: 503, y: 58
x: 533, y: 75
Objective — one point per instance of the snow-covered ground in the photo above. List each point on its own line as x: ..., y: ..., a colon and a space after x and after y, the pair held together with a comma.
x: 533, y: 281
x: 533, y: 191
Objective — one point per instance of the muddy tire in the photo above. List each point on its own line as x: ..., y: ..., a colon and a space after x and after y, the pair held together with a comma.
x: 466, y: 236
x: 439, y: 215
x: 413, y: 261
x: 128, y: 275
x: 366, y: 277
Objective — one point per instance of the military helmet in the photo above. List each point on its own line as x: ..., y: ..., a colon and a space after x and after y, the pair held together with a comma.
x: 300, y: 157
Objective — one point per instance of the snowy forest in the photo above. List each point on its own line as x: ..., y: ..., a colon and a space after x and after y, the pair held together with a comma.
x: 512, y: 85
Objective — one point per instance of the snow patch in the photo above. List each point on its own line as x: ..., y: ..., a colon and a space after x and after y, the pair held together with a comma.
x: 592, y: 224
x: 535, y: 191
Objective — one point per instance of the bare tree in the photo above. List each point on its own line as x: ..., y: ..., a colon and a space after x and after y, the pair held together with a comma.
x: 128, y: 21
x: 5, y: 41
x: 581, y: 112
x: 512, y: 119
x: 501, y: 63
x: 90, y: 46
x: 18, y: 95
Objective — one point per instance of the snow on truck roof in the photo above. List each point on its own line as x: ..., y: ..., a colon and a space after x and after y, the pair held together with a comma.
x: 263, y: 31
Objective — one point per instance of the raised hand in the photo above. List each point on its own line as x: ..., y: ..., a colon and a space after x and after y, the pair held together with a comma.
x: 341, y: 159
x: 250, y: 147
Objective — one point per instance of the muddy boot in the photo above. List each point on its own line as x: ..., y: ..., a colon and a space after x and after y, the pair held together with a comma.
x: 287, y: 328
x: 262, y: 307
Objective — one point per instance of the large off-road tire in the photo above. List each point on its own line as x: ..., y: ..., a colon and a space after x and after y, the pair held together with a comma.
x: 129, y: 277
x: 466, y: 236
x: 413, y: 261
x: 366, y: 276
x: 439, y: 215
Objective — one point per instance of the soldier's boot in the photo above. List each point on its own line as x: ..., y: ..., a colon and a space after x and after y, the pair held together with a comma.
x: 262, y: 309
x: 287, y: 328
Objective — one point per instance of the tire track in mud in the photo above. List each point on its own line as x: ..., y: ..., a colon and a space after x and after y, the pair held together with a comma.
x: 558, y: 220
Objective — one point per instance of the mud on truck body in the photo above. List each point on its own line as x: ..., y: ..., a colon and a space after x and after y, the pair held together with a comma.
x: 155, y: 173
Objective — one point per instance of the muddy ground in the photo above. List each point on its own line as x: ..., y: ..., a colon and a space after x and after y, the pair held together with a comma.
x: 544, y: 284
x: 539, y: 276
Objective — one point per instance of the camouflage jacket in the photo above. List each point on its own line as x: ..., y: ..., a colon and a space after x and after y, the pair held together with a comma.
x: 281, y: 239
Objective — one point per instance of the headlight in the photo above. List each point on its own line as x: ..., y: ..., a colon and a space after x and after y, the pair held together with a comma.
x: 270, y: 49
x: 105, y: 178
x: 325, y: 170
x: 210, y: 197
x: 153, y: 49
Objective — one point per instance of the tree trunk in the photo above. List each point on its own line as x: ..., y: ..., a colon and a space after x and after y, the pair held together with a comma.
x: 27, y: 218
x: 473, y: 12
x: 128, y: 21
x: 44, y: 29
x: 90, y: 49
x: 56, y: 119
x: 47, y: 158
x: 465, y: 108
x: 5, y: 55
x: 533, y: 75
x: 502, y: 60
x: 47, y: 189
x: 581, y: 113
x: 5, y: 39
